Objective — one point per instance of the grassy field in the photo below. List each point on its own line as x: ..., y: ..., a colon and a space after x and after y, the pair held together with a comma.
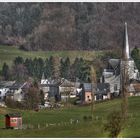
x: 60, y: 118
x: 8, y: 53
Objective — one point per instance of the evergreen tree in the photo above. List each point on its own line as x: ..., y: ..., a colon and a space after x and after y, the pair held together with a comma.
x: 81, y: 70
x: 65, y: 68
x: 136, y: 56
x: 19, y: 72
x: 35, y: 68
x: 41, y: 67
x: 18, y: 60
x: 29, y: 65
x: 46, y: 69
x: 5, y: 71
x: 49, y: 67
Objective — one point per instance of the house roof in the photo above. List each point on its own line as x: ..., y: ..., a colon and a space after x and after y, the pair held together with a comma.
x: 13, y: 115
x: 102, y: 88
x: 87, y: 86
x: 67, y: 83
x: 17, y: 85
x: 114, y: 62
x: 6, y: 84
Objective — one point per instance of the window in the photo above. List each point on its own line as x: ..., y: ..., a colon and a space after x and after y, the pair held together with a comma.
x: 115, y: 87
x: 13, y: 120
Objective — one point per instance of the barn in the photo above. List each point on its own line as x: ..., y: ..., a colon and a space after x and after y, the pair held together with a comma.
x: 13, y: 120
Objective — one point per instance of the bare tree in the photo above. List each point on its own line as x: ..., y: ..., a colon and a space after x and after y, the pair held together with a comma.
x: 124, y: 90
x: 94, y: 85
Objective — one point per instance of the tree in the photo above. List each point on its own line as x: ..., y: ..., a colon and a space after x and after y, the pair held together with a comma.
x: 38, y: 67
x: 29, y: 65
x: 46, y: 68
x: 5, y: 71
x: 18, y: 60
x: 52, y: 67
x: 114, y: 124
x: 65, y: 68
x: 135, y: 53
x: 32, y: 98
x: 136, y: 56
x: 41, y: 95
x: 94, y: 86
x: 19, y: 72
x: 81, y: 70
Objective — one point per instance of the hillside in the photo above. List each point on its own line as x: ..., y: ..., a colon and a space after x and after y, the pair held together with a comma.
x: 95, y: 127
x: 12, y: 52
x: 68, y: 26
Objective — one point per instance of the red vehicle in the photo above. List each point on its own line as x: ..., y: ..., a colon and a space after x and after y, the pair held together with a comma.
x: 13, y: 120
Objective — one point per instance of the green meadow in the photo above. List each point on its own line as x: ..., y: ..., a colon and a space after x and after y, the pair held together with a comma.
x: 56, y: 123
x: 8, y: 54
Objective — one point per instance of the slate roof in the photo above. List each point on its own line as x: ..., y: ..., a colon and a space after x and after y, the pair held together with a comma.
x: 87, y: 87
x: 6, y: 84
x: 102, y: 88
x: 16, y: 86
x: 67, y: 83
x: 114, y: 62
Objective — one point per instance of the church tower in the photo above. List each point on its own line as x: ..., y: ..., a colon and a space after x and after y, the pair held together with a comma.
x: 127, y: 62
x: 125, y: 53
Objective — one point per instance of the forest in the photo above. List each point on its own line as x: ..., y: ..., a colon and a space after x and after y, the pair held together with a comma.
x: 68, y: 26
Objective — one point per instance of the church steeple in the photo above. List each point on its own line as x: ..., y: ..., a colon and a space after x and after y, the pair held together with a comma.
x: 43, y: 76
x: 125, y: 55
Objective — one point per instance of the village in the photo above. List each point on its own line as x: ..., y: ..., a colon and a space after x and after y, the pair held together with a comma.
x: 58, y: 93
x: 61, y: 90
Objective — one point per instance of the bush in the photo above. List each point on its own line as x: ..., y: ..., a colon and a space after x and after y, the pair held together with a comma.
x: 85, y: 118
x: 114, y: 124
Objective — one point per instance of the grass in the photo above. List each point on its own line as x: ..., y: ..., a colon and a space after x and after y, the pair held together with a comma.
x: 8, y: 54
x: 83, y: 129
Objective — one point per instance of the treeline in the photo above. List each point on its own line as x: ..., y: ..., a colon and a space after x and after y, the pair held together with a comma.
x: 68, y: 26
x: 135, y: 54
x: 53, y: 67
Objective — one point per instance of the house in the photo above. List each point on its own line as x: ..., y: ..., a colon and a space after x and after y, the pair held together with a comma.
x: 13, y: 120
x: 3, y: 91
x: 134, y: 88
x: 67, y: 90
x: 57, y: 88
x: 4, y: 88
x: 54, y: 92
x: 87, y: 93
x: 17, y: 91
x: 102, y: 91
x: 137, y: 89
x: 84, y: 92
x: 45, y: 88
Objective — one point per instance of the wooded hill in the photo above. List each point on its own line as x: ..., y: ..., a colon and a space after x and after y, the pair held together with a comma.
x: 68, y: 26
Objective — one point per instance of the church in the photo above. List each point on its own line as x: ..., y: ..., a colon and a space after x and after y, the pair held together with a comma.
x: 116, y: 67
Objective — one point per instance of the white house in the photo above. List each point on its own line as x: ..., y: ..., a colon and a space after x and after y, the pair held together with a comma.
x: 3, y: 92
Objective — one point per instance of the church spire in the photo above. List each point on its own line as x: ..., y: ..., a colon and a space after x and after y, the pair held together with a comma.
x: 43, y: 76
x: 126, y: 45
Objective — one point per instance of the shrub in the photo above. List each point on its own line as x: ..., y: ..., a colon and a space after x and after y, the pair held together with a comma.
x: 114, y: 124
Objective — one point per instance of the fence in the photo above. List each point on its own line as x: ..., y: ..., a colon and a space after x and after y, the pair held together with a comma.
x: 46, y: 125
x: 63, y: 123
